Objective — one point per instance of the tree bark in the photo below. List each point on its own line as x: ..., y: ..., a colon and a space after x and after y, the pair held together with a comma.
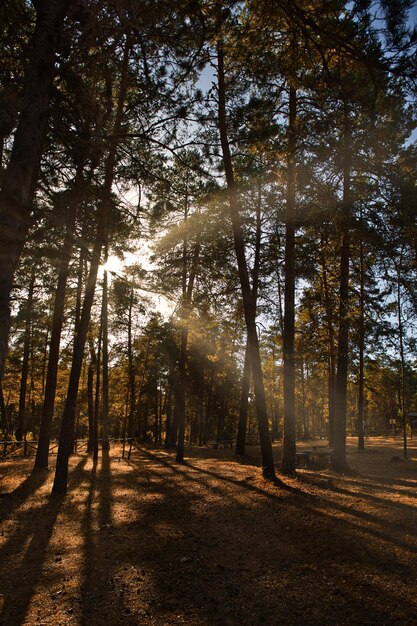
x: 22, y: 425
x: 331, y: 340
x: 306, y: 430
x: 67, y: 426
x: 339, y: 451
x: 90, y: 405
x: 97, y: 394
x: 179, y: 406
x: 105, y: 394
x: 168, y: 408
x: 3, y: 413
x: 244, y: 398
x: 402, y: 358
x: 131, y: 370
x: 41, y: 460
x: 243, y: 407
x: 20, y: 177
x: 361, y: 439
x: 288, y: 449
x: 248, y: 304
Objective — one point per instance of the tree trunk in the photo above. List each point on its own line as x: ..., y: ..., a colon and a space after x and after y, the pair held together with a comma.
x: 288, y: 449
x: 155, y: 409
x: 90, y: 406
x: 67, y: 426
x: 244, y: 398
x: 105, y: 394
x: 243, y: 408
x: 179, y: 406
x: 97, y: 395
x: 172, y: 432
x: 210, y: 403
x: 3, y: 413
x: 168, y: 409
x: 131, y: 370
x: 80, y: 280
x: 328, y: 303
x: 177, y: 431
x: 402, y: 358
x: 306, y: 430
x: 41, y: 461
x: 361, y: 439
x: 248, y: 303
x: 45, y: 358
x: 20, y: 177
x: 21, y: 425
x: 339, y: 451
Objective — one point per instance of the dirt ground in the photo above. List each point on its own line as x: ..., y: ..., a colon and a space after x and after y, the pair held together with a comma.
x: 148, y: 541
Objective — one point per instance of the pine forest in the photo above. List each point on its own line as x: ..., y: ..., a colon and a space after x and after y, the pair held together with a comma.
x: 208, y: 312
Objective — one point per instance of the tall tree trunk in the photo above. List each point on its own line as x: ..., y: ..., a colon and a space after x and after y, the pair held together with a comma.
x: 210, y: 403
x: 105, y: 323
x: 3, y: 413
x: 156, y: 410
x: 168, y: 408
x: 41, y: 461
x: 44, y: 359
x: 179, y: 405
x: 80, y: 281
x: 97, y: 394
x: 131, y: 370
x: 288, y: 450
x: 172, y: 432
x: 20, y: 177
x: 339, y: 451
x: 30, y: 426
x: 67, y: 426
x: 244, y: 397
x: 201, y: 408
x: 90, y: 406
x: 139, y: 396
x: 179, y: 393
x: 243, y: 407
x: 361, y: 439
x: 328, y: 304
x: 402, y: 358
x: 21, y: 425
x: 306, y: 430
x: 247, y: 297
x: 182, y: 359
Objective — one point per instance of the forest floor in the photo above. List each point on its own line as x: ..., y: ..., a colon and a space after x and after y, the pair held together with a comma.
x: 151, y: 542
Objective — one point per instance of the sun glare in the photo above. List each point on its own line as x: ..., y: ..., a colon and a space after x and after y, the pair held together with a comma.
x: 114, y: 265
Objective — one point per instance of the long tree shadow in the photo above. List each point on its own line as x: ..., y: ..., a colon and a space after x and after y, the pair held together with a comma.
x: 36, y: 525
x: 13, y: 500
x: 389, y: 533
x: 30, y: 571
x: 173, y: 465
x: 170, y: 544
x: 95, y: 586
x: 261, y: 577
x: 378, y: 500
x: 391, y: 529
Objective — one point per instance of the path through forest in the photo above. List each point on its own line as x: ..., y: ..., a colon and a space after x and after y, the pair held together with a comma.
x: 148, y: 541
